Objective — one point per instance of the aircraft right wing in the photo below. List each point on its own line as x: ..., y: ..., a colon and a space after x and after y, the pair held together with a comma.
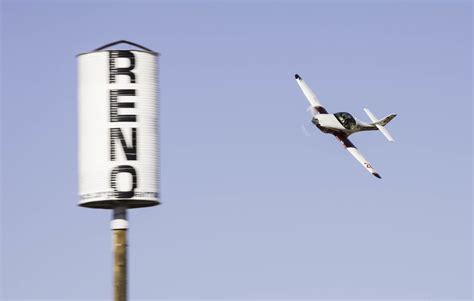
x: 312, y: 98
x: 352, y: 149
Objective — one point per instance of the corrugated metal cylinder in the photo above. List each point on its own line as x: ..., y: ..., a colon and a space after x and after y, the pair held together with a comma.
x: 118, y: 129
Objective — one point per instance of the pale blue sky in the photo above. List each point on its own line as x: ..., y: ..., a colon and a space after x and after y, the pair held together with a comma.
x: 252, y: 208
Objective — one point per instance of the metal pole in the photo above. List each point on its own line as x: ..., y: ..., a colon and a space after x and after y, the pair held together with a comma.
x: 119, y: 227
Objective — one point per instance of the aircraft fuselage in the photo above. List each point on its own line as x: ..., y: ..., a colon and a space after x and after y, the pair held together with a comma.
x: 340, y: 123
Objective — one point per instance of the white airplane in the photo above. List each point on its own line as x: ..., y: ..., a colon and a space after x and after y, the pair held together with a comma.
x: 342, y: 124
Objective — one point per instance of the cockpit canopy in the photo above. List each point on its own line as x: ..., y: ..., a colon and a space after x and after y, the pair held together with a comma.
x: 346, y: 120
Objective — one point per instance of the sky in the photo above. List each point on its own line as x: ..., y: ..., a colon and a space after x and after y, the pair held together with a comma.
x: 252, y: 208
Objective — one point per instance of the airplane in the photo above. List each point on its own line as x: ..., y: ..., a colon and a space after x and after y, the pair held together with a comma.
x: 343, y: 124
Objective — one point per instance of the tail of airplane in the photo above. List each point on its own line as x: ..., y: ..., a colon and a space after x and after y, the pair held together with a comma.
x: 380, y: 123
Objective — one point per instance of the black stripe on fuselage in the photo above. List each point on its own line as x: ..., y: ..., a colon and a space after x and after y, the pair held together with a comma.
x: 344, y: 140
x: 321, y: 110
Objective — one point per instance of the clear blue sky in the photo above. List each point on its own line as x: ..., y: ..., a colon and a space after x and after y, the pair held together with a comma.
x: 252, y: 208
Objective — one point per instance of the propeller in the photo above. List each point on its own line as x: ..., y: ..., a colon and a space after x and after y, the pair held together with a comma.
x: 312, y: 110
x: 305, y: 131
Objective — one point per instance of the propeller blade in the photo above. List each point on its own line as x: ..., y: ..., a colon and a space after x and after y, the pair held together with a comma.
x: 312, y: 110
x: 305, y: 131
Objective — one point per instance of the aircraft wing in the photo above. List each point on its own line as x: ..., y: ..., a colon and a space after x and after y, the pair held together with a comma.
x: 355, y: 152
x: 312, y: 98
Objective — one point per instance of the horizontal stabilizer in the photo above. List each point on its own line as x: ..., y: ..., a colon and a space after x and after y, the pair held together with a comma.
x: 380, y: 123
x: 385, y: 132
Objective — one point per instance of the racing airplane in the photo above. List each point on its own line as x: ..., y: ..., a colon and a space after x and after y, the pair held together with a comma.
x: 342, y: 124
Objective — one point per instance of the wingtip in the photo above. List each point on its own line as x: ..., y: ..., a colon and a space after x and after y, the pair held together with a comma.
x: 297, y: 76
x: 376, y: 174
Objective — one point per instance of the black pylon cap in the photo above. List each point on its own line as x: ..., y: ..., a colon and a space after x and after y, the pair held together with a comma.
x: 123, y: 42
x: 141, y: 47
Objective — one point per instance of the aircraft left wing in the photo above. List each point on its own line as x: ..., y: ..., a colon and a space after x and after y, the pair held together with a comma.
x: 310, y: 95
x: 351, y: 148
